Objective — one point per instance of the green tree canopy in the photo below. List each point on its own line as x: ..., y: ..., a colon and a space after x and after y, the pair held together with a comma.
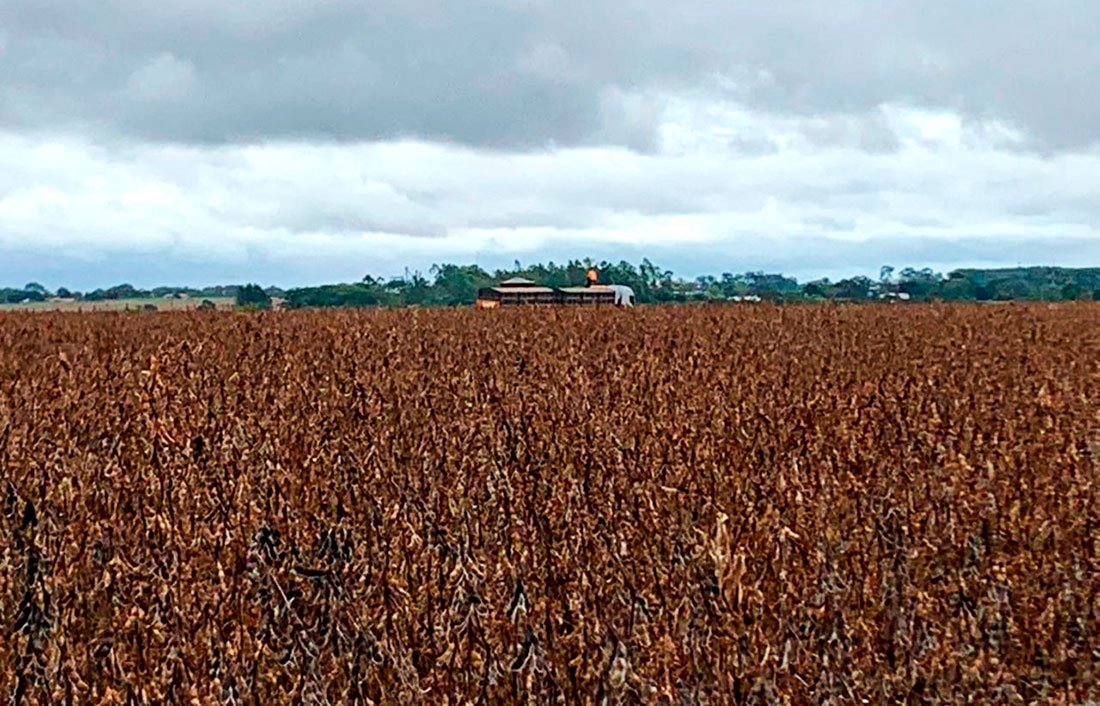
x: 253, y: 296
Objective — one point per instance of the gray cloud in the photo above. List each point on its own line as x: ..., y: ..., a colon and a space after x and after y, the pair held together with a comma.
x: 203, y: 140
x: 527, y: 74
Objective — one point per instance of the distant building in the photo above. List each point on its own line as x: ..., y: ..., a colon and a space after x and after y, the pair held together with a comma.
x: 516, y: 290
x: 519, y: 291
x: 587, y: 295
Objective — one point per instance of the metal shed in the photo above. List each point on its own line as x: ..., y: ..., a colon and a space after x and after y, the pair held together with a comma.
x: 586, y: 295
x: 515, y: 294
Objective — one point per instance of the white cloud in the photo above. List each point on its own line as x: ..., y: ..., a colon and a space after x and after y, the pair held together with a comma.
x: 704, y: 201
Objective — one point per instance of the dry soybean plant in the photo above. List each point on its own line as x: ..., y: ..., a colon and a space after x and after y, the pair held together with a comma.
x: 671, y: 505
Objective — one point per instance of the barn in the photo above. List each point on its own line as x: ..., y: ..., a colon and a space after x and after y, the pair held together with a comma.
x: 586, y: 295
x: 515, y: 291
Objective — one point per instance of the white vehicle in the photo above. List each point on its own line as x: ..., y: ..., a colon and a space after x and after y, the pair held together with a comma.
x: 624, y: 295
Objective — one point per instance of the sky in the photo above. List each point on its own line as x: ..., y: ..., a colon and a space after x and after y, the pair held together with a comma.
x: 291, y: 142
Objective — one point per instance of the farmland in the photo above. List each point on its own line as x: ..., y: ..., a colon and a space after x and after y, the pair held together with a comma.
x: 681, y: 505
x: 80, y: 305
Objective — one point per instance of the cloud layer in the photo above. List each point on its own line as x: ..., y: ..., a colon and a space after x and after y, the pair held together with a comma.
x: 293, y: 142
x: 534, y: 72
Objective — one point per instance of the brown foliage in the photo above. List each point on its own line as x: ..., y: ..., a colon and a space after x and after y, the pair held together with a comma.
x: 669, y: 505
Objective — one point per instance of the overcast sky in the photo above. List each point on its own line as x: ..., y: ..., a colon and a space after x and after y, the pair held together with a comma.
x: 292, y: 142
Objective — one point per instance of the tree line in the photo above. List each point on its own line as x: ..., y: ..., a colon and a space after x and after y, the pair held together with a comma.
x: 453, y: 285
x: 457, y: 285
x: 35, y: 292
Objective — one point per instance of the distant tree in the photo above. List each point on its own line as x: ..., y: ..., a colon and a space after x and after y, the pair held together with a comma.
x: 120, y: 291
x: 451, y: 285
x: 340, y: 295
x: 709, y: 287
x: 1072, y: 291
x: 854, y: 288
x: 1013, y: 290
x: 655, y: 277
x: 957, y: 288
x: 984, y: 293
x: 64, y: 293
x: 253, y: 296
x: 457, y: 284
x: 12, y: 296
x: 220, y: 292
x: 919, y: 284
x: 624, y: 273
x: 733, y: 285
x: 36, y: 288
x: 412, y: 289
x: 770, y: 285
x: 817, y: 289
